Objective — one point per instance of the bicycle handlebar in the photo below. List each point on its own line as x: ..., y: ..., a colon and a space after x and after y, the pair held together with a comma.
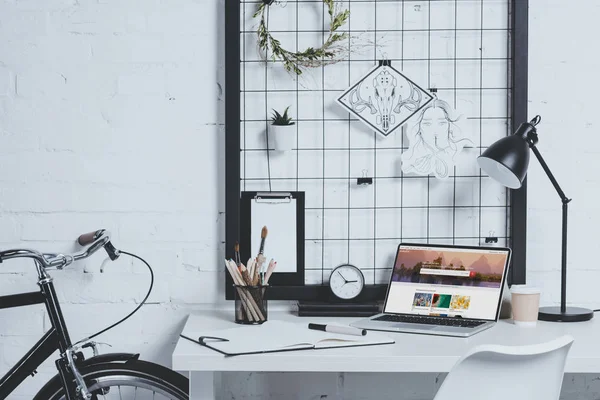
x: 87, y: 238
x: 96, y: 240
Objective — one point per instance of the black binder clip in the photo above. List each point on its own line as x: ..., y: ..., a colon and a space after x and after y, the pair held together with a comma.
x: 268, y: 2
x: 491, y: 239
x: 364, y: 180
x: 385, y: 63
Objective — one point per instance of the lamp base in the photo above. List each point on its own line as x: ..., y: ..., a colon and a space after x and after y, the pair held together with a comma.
x: 572, y: 314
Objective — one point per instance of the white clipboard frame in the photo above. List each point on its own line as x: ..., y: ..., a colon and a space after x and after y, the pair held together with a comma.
x: 286, y: 278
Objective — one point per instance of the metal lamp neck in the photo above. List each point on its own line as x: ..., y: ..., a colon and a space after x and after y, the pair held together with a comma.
x: 528, y: 131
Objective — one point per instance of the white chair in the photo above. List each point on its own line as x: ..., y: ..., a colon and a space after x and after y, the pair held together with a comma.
x: 492, y: 372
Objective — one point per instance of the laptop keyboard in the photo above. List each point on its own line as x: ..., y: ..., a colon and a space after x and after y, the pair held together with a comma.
x: 415, y: 319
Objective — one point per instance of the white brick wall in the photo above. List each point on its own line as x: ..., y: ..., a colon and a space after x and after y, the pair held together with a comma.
x: 110, y: 116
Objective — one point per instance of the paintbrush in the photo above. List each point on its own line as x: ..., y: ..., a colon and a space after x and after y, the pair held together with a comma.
x: 236, y: 254
x: 263, y: 237
x: 260, y: 258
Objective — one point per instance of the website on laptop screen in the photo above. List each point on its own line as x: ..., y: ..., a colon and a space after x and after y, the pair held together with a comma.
x: 447, y: 282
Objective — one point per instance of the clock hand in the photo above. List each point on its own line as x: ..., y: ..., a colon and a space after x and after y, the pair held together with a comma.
x: 345, y: 281
x: 351, y: 281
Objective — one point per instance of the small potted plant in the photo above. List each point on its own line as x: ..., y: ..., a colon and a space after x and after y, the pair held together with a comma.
x: 281, y: 132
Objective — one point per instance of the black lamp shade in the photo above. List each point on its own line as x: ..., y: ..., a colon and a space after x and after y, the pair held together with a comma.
x: 506, y: 161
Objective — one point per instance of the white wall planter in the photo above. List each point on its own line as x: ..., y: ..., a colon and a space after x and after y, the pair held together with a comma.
x: 282, y: 137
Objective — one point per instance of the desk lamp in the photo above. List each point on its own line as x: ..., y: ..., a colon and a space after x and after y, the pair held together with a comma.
x: 506, y: 161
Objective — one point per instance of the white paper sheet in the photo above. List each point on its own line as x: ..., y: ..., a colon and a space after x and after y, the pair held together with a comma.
x: 435, y: 141
x: 281, y: 335
x: 279, y: 216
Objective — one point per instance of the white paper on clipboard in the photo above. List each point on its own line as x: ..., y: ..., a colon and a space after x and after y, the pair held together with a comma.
x: 279, y: 216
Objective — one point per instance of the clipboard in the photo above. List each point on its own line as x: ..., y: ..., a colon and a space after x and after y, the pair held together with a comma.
x: 283, y: 215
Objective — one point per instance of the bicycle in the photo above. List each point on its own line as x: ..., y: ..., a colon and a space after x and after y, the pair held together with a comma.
x: 95, y: 378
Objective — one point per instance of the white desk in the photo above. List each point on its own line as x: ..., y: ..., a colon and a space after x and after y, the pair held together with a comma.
x: 411, y: 353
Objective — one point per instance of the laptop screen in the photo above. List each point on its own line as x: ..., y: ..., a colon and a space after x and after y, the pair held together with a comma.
x: 447, y: 281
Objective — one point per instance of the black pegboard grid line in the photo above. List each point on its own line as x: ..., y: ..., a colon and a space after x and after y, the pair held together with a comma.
x: 338, y: 178
x: 451, y: 93
x: 341, y: 239
x: 362, y: 31
x: 357, y: 120
x: 349, y: 24
x: 374, y: 161
x: 338, y: 149
x: 372, y: 1
x: 363, y: 60
x: 323, y: 188
x: 337, y: 90
x: 449, y: 207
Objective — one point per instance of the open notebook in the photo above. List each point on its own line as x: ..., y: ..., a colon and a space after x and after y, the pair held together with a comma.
x: 278, y: 336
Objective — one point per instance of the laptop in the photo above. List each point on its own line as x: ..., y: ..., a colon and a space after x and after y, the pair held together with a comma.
x: 443, y: 290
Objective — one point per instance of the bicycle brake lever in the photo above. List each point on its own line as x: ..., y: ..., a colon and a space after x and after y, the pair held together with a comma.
x: 94, y: 346
x: 112, y: 252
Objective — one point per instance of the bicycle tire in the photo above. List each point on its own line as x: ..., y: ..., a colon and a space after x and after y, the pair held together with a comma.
x: 132, y: 374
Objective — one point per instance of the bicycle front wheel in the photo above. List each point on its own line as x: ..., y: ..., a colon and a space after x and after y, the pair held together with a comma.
x: 134, y: 380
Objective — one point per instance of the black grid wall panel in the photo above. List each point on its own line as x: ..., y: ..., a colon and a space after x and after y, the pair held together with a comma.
x: 459, y: 49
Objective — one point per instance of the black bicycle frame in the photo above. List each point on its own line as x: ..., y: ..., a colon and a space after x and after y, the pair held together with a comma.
x: 57, y: 338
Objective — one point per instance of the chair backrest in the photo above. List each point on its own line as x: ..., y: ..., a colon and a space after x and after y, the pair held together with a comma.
x: 494, y: 372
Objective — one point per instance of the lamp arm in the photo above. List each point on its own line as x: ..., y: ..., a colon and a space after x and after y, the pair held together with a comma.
x: 565, y: 206
x: 538, y: 155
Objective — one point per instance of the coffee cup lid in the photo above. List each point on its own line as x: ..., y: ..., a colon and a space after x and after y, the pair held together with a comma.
x: 524, y: 289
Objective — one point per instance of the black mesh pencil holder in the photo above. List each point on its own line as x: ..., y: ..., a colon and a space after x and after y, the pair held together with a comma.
x: 250, y: 304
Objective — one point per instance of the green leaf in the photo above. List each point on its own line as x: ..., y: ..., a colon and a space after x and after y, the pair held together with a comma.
x: 278, y: 119
x: 285, y: 114
x: 259, y: 10
x: 310, y: 56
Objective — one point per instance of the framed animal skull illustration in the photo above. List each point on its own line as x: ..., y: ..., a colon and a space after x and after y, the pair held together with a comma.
x: 384, y: 99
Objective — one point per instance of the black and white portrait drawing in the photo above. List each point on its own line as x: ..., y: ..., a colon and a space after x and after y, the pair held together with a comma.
x: 384, y: 99
x: 435, y: 141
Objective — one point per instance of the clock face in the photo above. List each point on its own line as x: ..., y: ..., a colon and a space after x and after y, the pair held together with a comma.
x: 346, y: 282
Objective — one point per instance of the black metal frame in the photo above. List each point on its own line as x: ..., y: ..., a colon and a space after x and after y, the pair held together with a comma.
x: 518, y: 198
x: 57, y: 338
x: 518, y: 105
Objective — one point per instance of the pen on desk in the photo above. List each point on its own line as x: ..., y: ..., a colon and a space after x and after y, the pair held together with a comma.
x: 345, y: 330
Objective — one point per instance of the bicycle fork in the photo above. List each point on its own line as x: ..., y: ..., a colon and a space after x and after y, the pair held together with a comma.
x: 67, y: 364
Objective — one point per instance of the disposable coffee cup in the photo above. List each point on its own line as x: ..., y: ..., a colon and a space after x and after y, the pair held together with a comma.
x: 525, y: 304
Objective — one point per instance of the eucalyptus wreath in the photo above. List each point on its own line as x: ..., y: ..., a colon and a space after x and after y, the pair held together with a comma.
x: 330, y: 52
